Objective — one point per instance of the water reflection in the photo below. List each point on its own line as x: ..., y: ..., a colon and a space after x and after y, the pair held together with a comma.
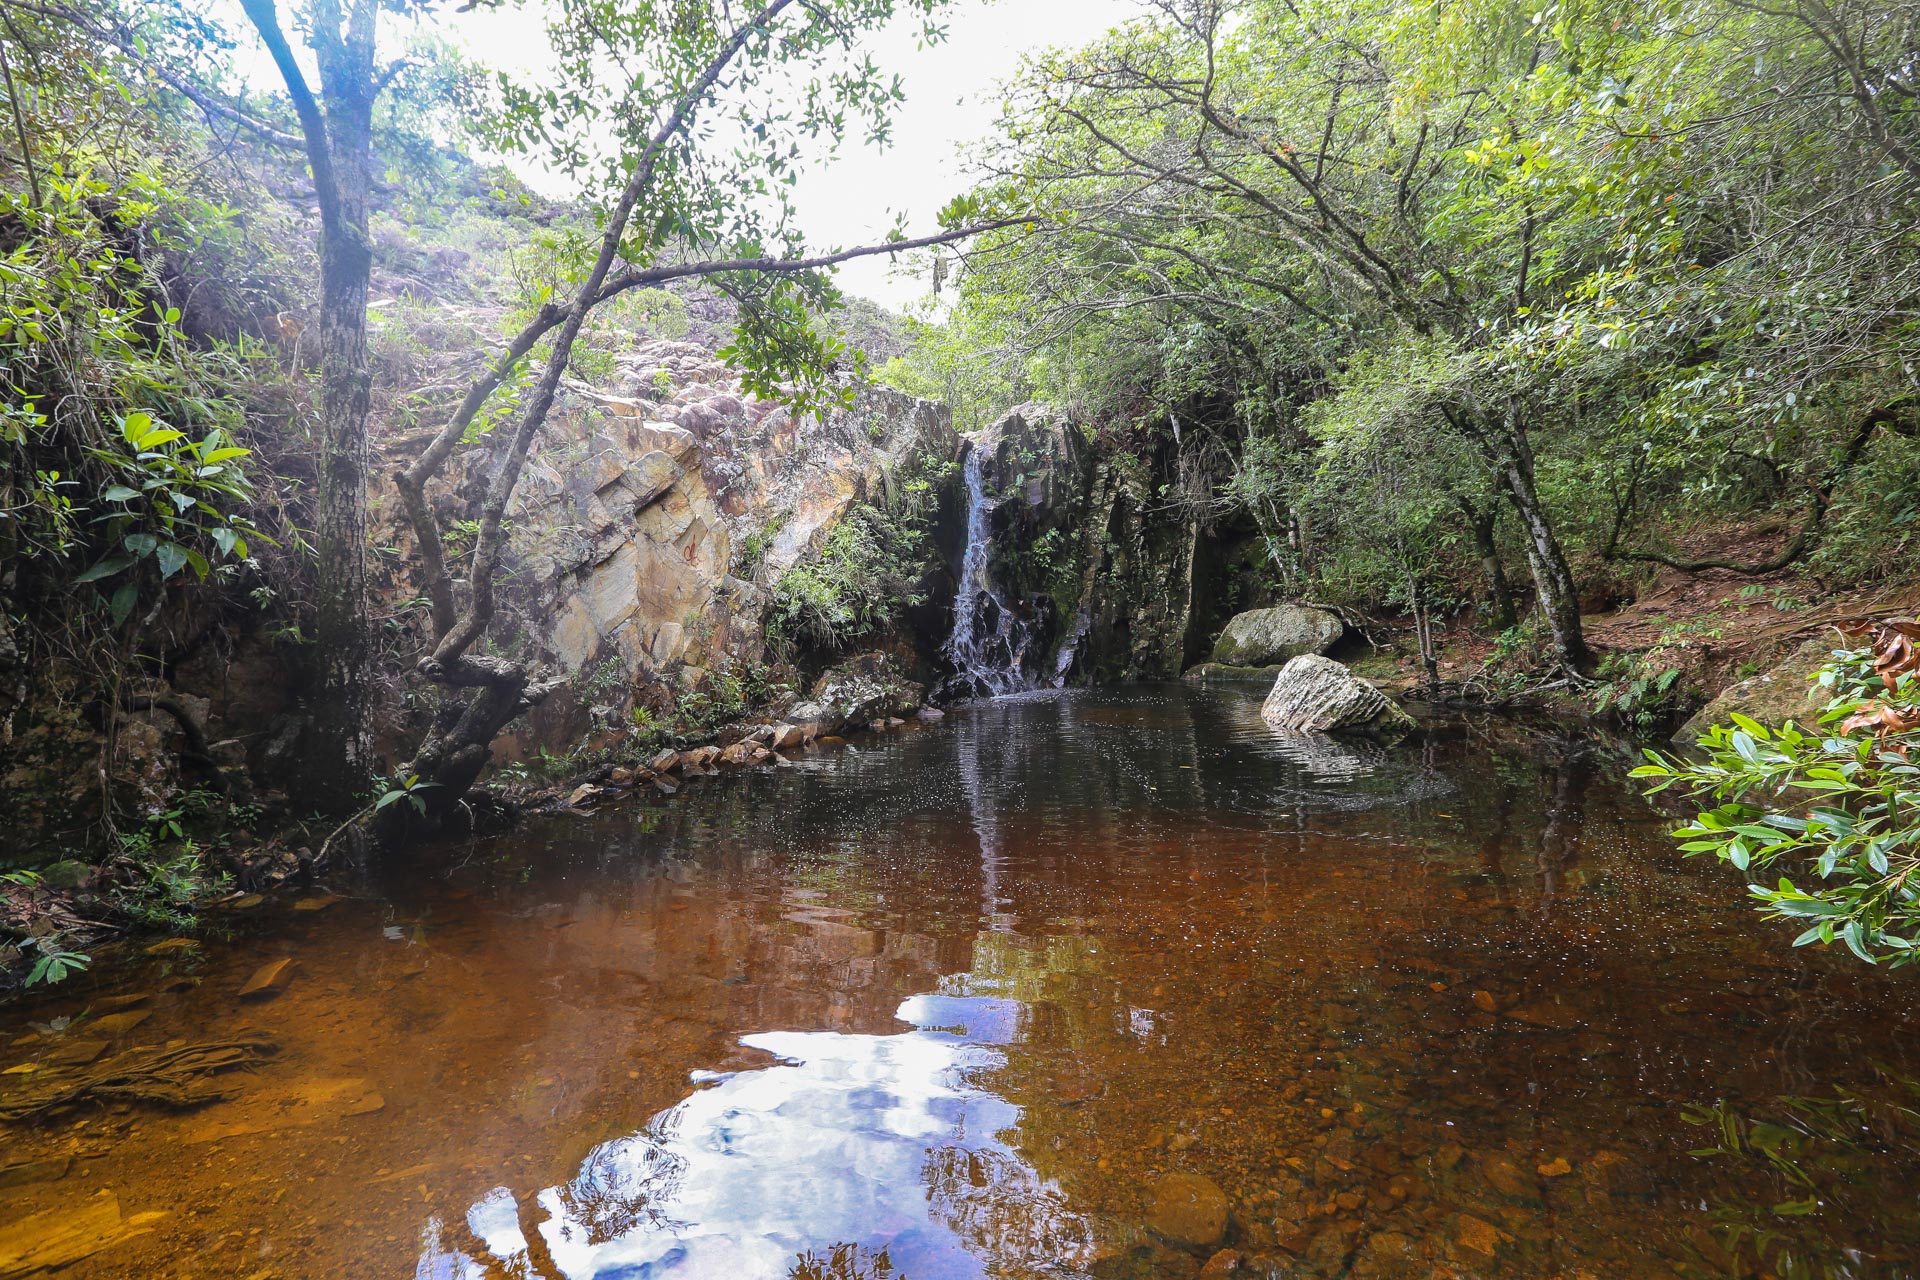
x: 955, y: 1001
x: 884, y: 1145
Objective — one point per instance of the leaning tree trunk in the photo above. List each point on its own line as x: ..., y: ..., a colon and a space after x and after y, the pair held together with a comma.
x: 1552, y: 579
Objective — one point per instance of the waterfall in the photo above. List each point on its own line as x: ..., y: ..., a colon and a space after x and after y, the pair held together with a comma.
x: 990, y: 640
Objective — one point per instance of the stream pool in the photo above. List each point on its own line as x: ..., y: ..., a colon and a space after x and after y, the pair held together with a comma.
x: 1110, y: 984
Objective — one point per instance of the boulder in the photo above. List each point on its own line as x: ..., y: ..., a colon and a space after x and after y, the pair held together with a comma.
x: 1313, y: 694
x: 787, y: 737
x: 1264, y: 637
x: 1773, y: 697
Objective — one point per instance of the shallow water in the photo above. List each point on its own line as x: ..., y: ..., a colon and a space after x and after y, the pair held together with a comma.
x: 954, y: 1002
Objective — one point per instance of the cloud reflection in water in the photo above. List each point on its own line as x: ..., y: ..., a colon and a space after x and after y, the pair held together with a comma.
x: 883, y: 1142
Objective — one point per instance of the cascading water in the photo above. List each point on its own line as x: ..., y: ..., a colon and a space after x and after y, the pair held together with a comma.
x: 990, y: 641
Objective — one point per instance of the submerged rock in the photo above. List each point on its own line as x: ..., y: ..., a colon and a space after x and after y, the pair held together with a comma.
x: 1313, y: 694
x: 1266, y: 637
x: 1189, y: 1209
x: 268, y: 980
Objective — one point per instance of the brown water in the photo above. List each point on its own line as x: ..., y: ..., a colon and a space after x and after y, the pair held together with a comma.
x: 952, y: 1003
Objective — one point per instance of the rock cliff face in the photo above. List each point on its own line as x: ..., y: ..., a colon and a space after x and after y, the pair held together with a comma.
x: 655, y: 516
x: 1098, y: 563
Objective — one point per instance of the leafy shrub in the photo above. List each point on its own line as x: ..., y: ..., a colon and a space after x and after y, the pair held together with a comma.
x: 1832, y: 805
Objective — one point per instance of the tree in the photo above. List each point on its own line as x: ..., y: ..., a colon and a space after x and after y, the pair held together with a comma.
x: 1281, y: 170
x: 338, y: 140
x: 677, y: 198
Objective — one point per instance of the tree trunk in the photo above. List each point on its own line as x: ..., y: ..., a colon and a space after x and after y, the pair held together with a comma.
x: 339, y: 145
x: 1485, y: 521
x: 1552, y: 579
x: 343, y: 762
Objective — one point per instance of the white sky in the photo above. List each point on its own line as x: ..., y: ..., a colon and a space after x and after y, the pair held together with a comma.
x: 952, y: 101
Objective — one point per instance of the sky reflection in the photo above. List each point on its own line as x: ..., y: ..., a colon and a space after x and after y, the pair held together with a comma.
x: 881, y: 1142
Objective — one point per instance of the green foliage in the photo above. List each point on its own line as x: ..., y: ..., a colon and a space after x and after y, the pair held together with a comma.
x: 1820, y: 819
x: 55, y: 963
x: 866, y: 575
x: 1638, y: 690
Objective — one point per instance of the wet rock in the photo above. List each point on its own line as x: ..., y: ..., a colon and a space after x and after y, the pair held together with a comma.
x: 1224, y: 1263
x: 620, y: 778
x: 22, y: 1172
x: 740, y: 753
x: 319, y: 902
x: 1265, y: 637
x: 1389, y: 1255
x: 584, y: 794
x: 1787, y: 692
x: 1189, y: 1209
x: 1329, y: 1250
x: 1555, y: 1168
x: 699, y: 757
x: 77, y: 1053
x: 173, y: 947
x: 1505, y: 1176
x: 114, y: 1004
x: 930, y: 714
x: 268, y: 980
x: 118, y: 1024
x: 66, y: 1235
x: 1476, y: 1237
x: 1318, y: 695
x: 786, y: 737
x: 665, y: 762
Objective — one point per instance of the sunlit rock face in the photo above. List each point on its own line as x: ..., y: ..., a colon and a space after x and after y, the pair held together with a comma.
x: 655, y: 513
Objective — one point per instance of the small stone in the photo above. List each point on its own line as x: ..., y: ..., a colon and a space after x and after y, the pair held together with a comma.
x: 1224, y: 1263
x: 1476, y: 1236
x: 1484, y: 1001
x: 621, y: 777
x: 931, y: 713
x: 319, y: 902
x: 243, y: 902
x: 268, y: 980
x: 173, y: 947
x: 1189, y: 1209
x: 1556, y: 1168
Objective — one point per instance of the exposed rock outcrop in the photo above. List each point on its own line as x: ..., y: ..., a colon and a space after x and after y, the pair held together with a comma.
x: 653, y: 518
x: 1787, y: 692
x: 1266, y: 637
x: 1318, y: 695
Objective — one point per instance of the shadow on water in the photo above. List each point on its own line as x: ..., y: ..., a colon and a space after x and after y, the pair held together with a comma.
x: 956, y: 1002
